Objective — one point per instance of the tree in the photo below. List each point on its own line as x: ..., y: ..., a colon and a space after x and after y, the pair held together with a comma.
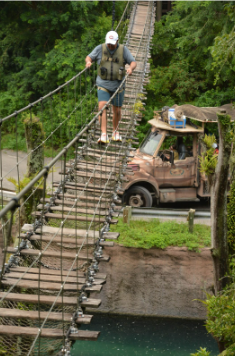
x: 43, y: 44
x: 217, y: 171
x: 188, y: 47
x: 219, y: 204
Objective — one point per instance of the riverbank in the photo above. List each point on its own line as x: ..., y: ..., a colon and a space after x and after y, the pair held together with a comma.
x: 155, y: 282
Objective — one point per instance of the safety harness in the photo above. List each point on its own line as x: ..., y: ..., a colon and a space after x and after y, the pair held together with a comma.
x: 112, y: 65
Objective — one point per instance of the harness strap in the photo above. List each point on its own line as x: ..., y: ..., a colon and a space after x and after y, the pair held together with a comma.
x: 100, y: 88
x: 107, y: 91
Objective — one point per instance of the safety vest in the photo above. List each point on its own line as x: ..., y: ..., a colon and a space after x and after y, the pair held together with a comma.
x: 112, y: 65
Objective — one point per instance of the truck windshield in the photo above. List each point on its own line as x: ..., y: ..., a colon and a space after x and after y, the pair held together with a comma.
x: 151, y: 142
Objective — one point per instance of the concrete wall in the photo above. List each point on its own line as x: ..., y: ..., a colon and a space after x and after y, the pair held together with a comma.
x: 156, y: 282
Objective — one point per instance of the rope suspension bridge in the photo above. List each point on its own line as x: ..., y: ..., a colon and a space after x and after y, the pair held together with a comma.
x: 47, y: 280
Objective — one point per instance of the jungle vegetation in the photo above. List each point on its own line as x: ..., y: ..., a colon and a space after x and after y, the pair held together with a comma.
x: 43, y: 44
x: 193, y: 56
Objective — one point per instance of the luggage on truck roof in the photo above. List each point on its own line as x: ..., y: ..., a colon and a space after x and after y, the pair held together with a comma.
x: 202, y: 114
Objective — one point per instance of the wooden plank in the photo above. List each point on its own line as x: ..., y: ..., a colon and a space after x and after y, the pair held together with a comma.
x: 66, y: 240
x: 105, y: 158
x: 51, y: 278
x: 48, y: 285
x: 86, y: 172
x: 72, y: 217
x: 111, y: 235
x: 94, y: 187
x: 130, y: 137
x: 72, y: 232
x: 56, y: 254
x: 90, y: 165
x: 83, y: 173
x: 47, y: 299
x: 45, y: 229
x: 85, y: 197
x: 34, y: 315
x: 122, y: 130
x: 91, y: 187
x: 94, y: 211
x: 80, y: 203
x: 11, y: 330
x: 50, y: 253
x: 116, y: 145
x: 110, y: 132
x: 103, y: 152
x: 56, y: 272
x: 85, y: 168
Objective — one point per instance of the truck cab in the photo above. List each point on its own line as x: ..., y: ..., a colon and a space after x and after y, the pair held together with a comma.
x: 166, y: 166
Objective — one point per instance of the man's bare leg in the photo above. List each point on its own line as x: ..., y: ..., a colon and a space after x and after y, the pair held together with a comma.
x: 103, y: 118
x: 117, y: 111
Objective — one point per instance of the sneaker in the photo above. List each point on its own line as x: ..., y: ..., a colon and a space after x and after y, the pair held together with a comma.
x: 103, y: 138
x: 116, y: 136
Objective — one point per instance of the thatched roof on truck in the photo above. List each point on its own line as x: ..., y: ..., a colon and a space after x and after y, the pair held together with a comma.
x: 203, y: 114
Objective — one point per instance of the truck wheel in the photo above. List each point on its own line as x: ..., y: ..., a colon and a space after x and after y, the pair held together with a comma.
x: 139, y: 197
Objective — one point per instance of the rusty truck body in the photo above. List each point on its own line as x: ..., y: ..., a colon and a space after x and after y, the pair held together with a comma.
x: 161, y: 174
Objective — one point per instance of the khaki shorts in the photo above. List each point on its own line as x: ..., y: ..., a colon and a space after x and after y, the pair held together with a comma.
x: 105, y: 95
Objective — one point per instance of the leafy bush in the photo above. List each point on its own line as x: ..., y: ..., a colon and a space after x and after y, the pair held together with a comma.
x: 201, y: 352
x: 220, y: 318
x: 208, y: 159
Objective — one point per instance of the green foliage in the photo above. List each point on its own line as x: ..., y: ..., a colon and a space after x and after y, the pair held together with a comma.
x: 192, y: 46
x: 208, y: 159
x: 153, y: 233
x: 174, y: 84
x: 220, y: 319
x: 43, y: 44
x: 231, y: 218
x: 30, y: 201
x: 201, y: 352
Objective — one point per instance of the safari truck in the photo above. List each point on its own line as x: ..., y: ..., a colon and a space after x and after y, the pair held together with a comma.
x: 166, y: 166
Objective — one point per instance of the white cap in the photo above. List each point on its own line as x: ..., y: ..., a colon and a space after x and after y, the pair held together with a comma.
x: 214, y: 145
x: 111, y: 37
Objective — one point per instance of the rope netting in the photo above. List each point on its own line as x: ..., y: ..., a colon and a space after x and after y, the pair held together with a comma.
x: 61, y: 219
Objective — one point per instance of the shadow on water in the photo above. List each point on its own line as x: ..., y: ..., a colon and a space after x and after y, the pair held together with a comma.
x: 138, y: 336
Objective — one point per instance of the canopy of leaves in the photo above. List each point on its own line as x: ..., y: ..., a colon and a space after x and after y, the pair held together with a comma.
x: 43, y: 44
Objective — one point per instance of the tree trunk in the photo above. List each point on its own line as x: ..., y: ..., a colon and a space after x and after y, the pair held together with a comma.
x: 34, y: 136
x: 159, y: 10
x: 219, y: 205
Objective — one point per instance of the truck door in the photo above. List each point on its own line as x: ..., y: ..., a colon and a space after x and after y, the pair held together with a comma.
x: 179, y: 174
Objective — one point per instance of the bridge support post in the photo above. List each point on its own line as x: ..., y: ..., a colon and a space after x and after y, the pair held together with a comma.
x: 127, y: 213
x: 191, y: 220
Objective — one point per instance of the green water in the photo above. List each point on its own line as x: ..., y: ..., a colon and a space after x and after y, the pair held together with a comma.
x: 138, y: 336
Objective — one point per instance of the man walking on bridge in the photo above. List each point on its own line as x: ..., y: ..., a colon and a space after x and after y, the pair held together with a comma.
x: 111, y: 58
